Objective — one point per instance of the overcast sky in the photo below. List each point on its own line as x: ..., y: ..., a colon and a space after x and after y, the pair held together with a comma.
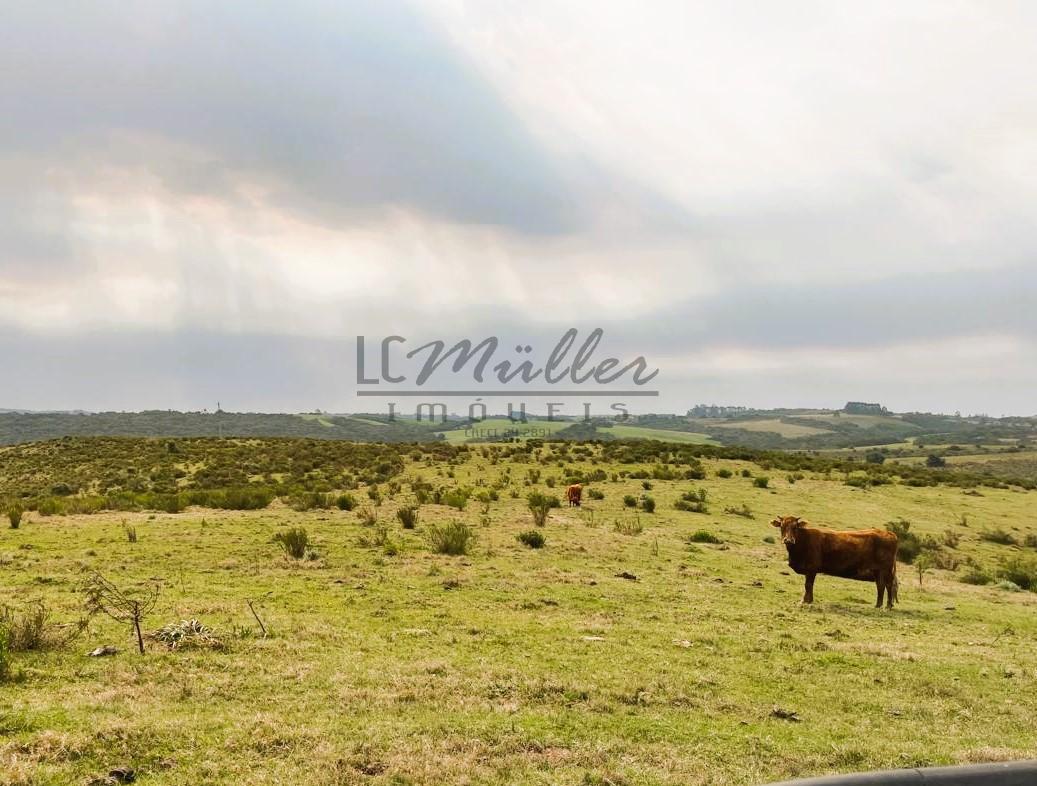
x: 777, y: 204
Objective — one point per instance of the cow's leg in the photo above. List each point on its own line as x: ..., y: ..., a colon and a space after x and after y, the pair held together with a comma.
x: 891, y: 581
x: 808, y: 588
x: 880, y: 586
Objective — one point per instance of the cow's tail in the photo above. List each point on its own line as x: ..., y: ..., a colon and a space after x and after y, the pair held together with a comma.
x: 895, y: 584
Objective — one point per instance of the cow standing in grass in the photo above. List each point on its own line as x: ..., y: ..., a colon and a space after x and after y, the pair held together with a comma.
x: 574, y: 494
x: 864, y: 555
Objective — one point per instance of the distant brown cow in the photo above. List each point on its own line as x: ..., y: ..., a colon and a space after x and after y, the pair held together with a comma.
x: 574, y: 494
x: 864, y: 555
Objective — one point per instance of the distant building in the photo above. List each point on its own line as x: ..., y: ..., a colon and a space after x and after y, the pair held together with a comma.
x: 863, y: 408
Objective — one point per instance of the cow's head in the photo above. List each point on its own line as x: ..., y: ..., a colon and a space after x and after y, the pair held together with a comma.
x: 789, y: 526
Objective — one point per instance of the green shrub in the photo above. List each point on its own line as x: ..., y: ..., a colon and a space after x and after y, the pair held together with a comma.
x: 532, y: 538
x: 456, y: 498
x: 367, y: 517
x: 408, y: 516
x: 761, y: 482
x: 1021, y: 571
x: 703, y: 536
x: 630, y: 500
x: 908, y: 544
x: 692, y: 501
x: 294, y: 542
x: 724, y: 473
x: 14, y: 515
x: 998, y: 536
x: 746, y: 473
x: 345, y: 501
x: 628, y: 527
x: 454, y: 538
x: 248, y: 498
x: 308, y: 500
x: 595, y: 494
x: 540, y: 506
x: 31, y: 630
x: 648, y: 504
x: 646, y: 485
x: 976, y: 575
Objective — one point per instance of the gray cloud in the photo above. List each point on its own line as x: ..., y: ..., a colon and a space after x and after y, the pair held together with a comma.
x: 655, y: 180
x: 337, y: 108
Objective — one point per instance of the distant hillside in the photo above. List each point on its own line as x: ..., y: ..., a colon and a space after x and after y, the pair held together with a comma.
x: 17, y: 427
x: 859, y: 425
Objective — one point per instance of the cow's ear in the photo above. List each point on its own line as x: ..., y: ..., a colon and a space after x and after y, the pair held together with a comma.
x: 776, y: 523
x: 800, y: 522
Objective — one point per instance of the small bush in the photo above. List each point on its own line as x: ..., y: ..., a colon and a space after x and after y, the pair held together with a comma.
x: 31, y: 629
x: 998, y: 536
x: 456, y: 498
x: 1021, y: 571
x: 976, y: 576
x: 692, y: 502
x: 761, y: 482
x: 455, y: 538
x: 703, y: 536
x: 345, y: 502
x: 630, y: 500
x: 724, y: 473
x: 746, y: 473
x: 908, y: 544
x: 595, y: 494
x: 648, y: 504
x: 408, y: 517
x: 951, y: 539
x: 1031, y: 541
x: 646, y: 485
x: 14, y: 515
x: 629, y: 527
x: 532, y: 538
x: 294, y: 542
x: 540, y: 506
x: 131, y: 533
x: 368, y: 517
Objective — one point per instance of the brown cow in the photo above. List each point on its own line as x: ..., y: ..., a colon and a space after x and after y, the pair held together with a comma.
x: 864, y: 555
x: 574, y: 494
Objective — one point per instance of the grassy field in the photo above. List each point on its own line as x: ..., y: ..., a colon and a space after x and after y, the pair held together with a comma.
x: 620, y: 653
x: 491, y: 428
x: 641, y: 432
x: 773, y: 425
